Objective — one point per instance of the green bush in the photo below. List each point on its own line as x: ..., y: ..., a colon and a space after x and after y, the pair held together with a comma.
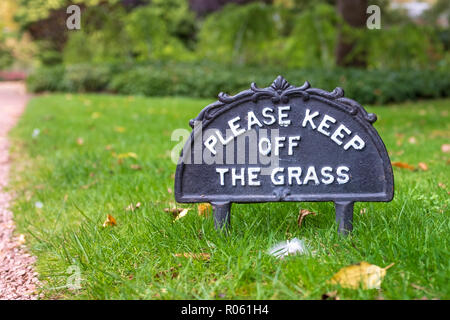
x: 208, y: 79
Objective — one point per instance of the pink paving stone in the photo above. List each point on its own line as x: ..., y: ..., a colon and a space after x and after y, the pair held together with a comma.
x: 17, y: 277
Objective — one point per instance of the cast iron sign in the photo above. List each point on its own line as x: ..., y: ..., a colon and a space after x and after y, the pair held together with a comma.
x: 284, y: 143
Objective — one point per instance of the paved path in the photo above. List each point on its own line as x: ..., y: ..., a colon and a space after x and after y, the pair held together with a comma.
x: 17, y: 277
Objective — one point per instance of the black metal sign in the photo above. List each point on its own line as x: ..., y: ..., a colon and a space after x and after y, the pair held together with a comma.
x: 284, y: 143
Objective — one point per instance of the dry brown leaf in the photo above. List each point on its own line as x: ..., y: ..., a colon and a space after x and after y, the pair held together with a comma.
x: 198, y: 256
x: 173, y: 210
x: 415, y: 286
x: 204, y: 209
x: 363, y: 274
x: 135, y: 167
x: 332, y: 295
x: 302, y: 214
x: 441, y: 185
x: 423, y: 166
x: 403, y: 165
x: 109, y: 222
x: 87, y: 186
x: 131, y: 207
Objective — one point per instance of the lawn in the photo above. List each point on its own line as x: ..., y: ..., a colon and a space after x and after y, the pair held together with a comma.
x: 77, y: 158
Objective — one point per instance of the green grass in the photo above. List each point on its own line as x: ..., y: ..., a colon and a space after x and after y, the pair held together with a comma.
x: 79, y: 185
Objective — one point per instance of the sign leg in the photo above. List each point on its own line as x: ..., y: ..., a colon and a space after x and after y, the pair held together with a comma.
x: 221, y: 215
x: 344, y: 216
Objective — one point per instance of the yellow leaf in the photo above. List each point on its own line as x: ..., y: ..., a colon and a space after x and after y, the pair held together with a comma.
x: 110, y: 221
x: 204, y: 209
x: 363, y: 274
x: 199, y: 256
x: 182, y: 214
x: 96, y: 115
x: 126, y: 155
x: 120, y: 129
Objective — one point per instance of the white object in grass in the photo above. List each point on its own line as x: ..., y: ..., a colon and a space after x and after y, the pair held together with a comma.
x: 289, y: 247
x: 35, y: 133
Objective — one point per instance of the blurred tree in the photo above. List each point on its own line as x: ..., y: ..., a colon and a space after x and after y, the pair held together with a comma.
x: 354, y: 14
x: 313, y: 37
x: 204, y: 7
x: 239, y: 34
x: 163, y: 29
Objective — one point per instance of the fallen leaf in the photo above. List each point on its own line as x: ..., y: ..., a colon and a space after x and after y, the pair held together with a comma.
x: 363, y: 211
x: 204, y: 209
x: 87, y: 186
x: 96, y: 115
x: 415, y: 286
x: 441, y: 185
x: 403, y: 165
x: 330, y: 296
x: 174, y: 210
x: 126, y: 155
x: 169, y: 190
x: 182, y: 214
x: 21, y: 239
x: 135, y: 167
x: 198, y: 256
x: 302, y: 214
x: 363, y: 274
x: 412, y: 140
x: 131, y: 207
x: 80, y: 141
x: 173, y: 271
x: 445, y: 148
x: 423, y: 166
x: 110, y: 221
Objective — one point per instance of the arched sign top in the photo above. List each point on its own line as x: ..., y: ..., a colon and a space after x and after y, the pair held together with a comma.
x: 284, y: 143
x: 281, y: 91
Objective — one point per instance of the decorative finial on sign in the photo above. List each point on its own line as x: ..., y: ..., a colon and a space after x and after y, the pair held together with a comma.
x: 280, y: 84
